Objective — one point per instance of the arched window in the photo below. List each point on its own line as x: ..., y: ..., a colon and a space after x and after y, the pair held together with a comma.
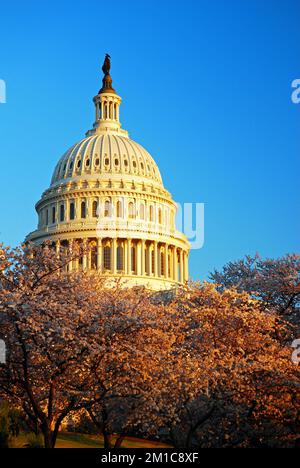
x: 107, y: 258
x: 53, y: 214
x: 151, y: 215
x: 95, y: 209
x: 142, y: 211
x: 120, y: 260
x: 131, y: 210
x: 62, y: 213
x: 47, y: 217
x: 107, y: 209
x: 72, y: 210
x: 119, y: 209
x: 83, y: 210
x: 159, y: 216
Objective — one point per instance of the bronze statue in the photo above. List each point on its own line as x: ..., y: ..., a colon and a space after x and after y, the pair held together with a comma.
x: 106, y: 65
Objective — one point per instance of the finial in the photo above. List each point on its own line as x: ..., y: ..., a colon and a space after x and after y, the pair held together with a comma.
x: 107, y: 80
x: 106, y: 65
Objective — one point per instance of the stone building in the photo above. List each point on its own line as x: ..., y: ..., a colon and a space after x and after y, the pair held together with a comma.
x: 107, y: 194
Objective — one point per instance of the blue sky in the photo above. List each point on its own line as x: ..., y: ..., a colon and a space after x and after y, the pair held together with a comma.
x: 206, y: 88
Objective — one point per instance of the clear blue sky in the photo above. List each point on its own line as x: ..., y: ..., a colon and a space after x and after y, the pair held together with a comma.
x: 206, y: 88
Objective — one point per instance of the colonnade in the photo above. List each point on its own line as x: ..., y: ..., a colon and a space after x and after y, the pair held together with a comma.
x: 139, y: 257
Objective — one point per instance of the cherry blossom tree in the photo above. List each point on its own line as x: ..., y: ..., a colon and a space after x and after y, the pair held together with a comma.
x: 203, y: 366
x: 246, y: 388
x: 43, y: 323
x: 276, y: 282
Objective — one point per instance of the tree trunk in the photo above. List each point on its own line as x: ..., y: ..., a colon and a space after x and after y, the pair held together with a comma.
x: 119, y: 441
x: 47, y: 438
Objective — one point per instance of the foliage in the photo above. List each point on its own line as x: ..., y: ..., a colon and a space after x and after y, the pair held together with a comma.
x: 206, y: 367
x: 276, y: 282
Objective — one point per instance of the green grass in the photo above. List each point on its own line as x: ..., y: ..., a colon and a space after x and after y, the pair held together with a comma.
x: 76, y: 440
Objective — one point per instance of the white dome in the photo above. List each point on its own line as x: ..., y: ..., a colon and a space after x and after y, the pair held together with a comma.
x: 107, y: 195
x: 104, y: 155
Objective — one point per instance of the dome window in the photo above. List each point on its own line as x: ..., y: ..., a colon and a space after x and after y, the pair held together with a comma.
x: 107, y: 209
x: 53, y: 214
x: 97, y: 162
x: 88, y: 163
x: 95, y: 209
x: 134, y: 164
x: 119, y: 209
x: 83, y: 210
x: 142, y: 211
x: 106, y: 162
x: 160, y: 216
x: 131, y: 211
x: 62, y: 213
x: 142, y: 166
x: 126, y: 163
x: 72, y: 211
x: 79, y: 164
x: 116, y: 162
x: 71, y: 165
x: 151, y: 214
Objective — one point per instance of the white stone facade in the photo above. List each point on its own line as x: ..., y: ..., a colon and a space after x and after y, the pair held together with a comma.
x: 107, y: 193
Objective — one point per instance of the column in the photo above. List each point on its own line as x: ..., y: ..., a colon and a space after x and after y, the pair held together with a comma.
x: 166, y: 266
x: 143, y: 265
x: 149, y: 253
x: 186, y: 267
x: 175, y: 271
x: 125, y: 265
x: 129, y: 272
x: 84, y: 257
x: 114, y: 256
x: 71, y: 253
x: 181, y: 266
x: 155, y: 259
x: 89, y: 258
x: 138, y: 258
x: 99, y: 255
x: 57, y: 247
x: 76, y: 260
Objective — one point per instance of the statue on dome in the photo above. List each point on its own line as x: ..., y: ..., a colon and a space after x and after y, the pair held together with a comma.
x: 106, y: 65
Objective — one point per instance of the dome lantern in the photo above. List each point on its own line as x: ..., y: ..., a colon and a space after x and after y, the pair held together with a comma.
x: 107, y: 106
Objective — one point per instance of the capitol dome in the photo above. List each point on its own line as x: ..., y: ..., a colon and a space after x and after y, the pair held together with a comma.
x: 107, y: 155
x: 107, y: 195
